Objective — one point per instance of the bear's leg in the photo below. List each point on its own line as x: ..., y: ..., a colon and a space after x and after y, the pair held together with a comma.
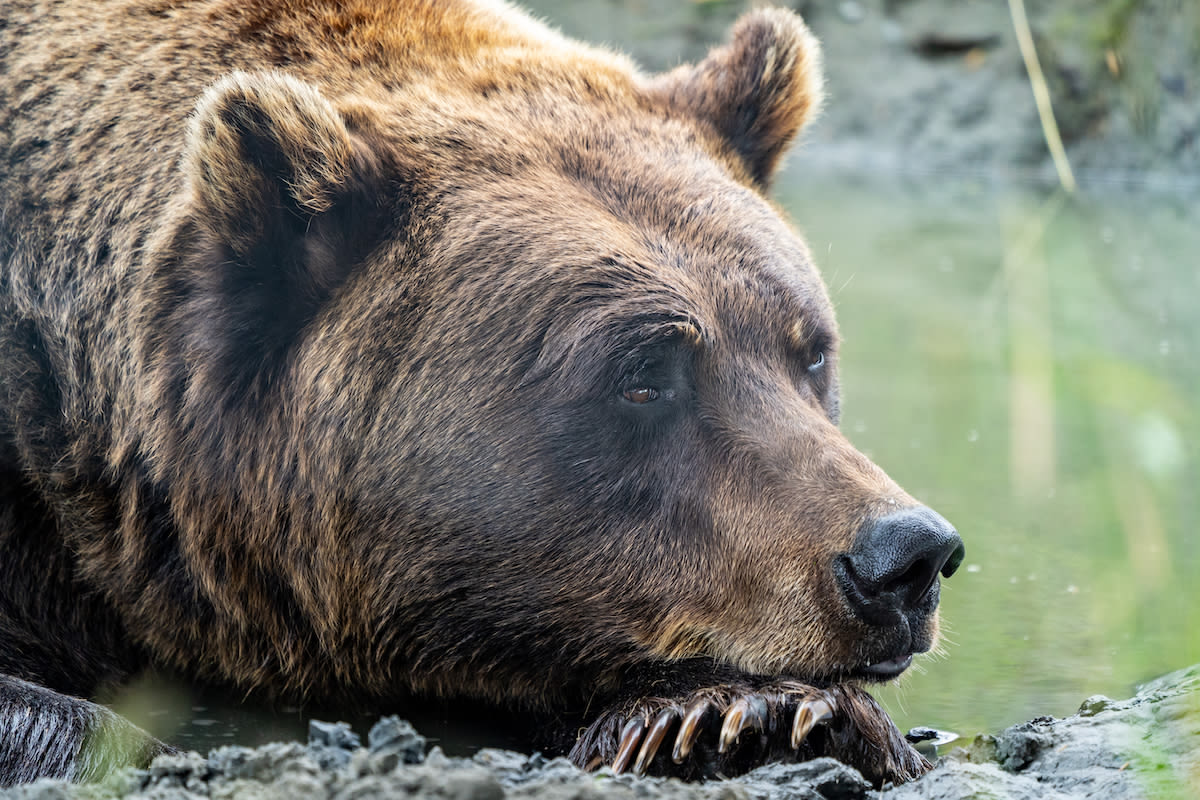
x: 54, y: 631
x: 44, y: 734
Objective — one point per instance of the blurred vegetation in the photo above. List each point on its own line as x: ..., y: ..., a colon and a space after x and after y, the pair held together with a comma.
x: 939, y: 84
x: 1114, y: 51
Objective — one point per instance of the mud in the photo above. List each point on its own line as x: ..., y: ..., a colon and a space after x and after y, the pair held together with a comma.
x: 1142, y: 748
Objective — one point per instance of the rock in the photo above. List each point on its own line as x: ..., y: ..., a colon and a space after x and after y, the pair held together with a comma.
x: 393, y: 741
x: 820, y: 779
x: 1145, y: 747
x: 331, y: 744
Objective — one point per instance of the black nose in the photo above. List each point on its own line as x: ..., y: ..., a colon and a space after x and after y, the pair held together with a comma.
x: 895, y: 562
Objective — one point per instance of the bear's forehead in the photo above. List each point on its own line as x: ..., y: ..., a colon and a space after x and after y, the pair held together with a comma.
x: 707, y: 247
x: 698, y: 236
x: 620, y: 203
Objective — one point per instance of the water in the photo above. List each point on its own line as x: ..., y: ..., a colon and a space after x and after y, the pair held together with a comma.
x: 1030, y: 367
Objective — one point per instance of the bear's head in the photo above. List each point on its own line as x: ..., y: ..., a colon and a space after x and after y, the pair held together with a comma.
x: 505, y: 377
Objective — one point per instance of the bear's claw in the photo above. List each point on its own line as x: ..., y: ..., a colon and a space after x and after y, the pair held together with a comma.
x: 751, y: 726
x: 631, y: 736
x: 749, y: 711
x: 689, y: 729
x: 746, y: 712
x: 810, y: 713
x: 654, y: 737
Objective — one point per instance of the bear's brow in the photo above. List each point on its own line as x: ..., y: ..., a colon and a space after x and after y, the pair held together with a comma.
x: 654, y: 327
x: 787, y: 305
x: 808, y: 332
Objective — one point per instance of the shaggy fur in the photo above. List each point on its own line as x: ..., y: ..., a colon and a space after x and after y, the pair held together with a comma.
x: 319, y: 327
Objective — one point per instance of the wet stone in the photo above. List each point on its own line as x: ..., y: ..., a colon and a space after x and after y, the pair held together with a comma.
x: 823, y: 778
x: 1094, y: 705
x: 178, y: 768
x: 1022, y: 744
x: 392, y: 735
x: 331, y: 743
x: 513, y: 769
x: 264, y: 764
x: 332, y: 734
x: 473, y: 785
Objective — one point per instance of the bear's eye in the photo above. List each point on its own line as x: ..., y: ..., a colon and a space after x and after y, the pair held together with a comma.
x: 818, y: 362
x: 640, y: 395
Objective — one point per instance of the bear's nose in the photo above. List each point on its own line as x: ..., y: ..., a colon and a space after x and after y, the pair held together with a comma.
x: 895, y: 562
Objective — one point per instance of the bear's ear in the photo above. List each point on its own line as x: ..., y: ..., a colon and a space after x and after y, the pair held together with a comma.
x: 285, y: 195
x: 266, y: 153
x: 757, y: 91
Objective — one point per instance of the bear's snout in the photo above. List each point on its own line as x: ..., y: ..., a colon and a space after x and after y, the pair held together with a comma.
x: 891, y: 572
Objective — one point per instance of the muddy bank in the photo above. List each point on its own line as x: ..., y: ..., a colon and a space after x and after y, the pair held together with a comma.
x: 1145, y: 747
x: 919, y: 87
x: 1142, y: 748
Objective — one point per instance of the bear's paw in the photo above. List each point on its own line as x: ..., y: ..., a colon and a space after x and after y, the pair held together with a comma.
x: 728, y: 730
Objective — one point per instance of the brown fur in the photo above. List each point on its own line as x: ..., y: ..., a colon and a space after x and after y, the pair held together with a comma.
x: 315, y: 319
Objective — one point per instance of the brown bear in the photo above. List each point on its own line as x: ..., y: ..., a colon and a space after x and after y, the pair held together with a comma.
x: 358, y: 351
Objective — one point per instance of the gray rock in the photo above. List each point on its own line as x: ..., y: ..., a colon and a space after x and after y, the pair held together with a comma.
x: 331, y: 744
x: 819, y: 779
x: 1145, y: 747
x: 393, y: 741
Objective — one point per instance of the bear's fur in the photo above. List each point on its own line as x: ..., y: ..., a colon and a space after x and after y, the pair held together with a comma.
x: 357, y: 350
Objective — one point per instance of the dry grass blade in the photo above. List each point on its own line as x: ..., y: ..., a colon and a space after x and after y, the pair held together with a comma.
x: 1041, y: 95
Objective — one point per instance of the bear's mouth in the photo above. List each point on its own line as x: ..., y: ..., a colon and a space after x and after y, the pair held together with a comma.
x: 885, y: 670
